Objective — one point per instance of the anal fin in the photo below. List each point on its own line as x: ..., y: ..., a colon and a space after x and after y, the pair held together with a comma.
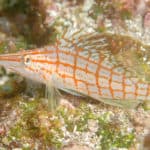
x: 128, y: 104
x: 72, y: 92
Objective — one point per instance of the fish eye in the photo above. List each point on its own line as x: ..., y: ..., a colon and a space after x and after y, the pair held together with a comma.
x: 27, y: 59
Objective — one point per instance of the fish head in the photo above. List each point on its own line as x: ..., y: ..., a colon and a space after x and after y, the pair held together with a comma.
x: 23, y: 64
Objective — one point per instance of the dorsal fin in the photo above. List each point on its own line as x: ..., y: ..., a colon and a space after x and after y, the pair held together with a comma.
x: 82, y: 39
x: 97, y: 45
x: 92, y: 45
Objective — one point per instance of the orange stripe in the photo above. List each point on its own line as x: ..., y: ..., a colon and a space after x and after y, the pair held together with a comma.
x: 69, y: 65
x: 90, y: 61
x: 10, y: 59
x: 148, y: 89
x: 123, y: 86
x: 117, y: 90
x: 66, y: 76
x: 136, y: 90
x: 35, y: 52
x: 57, y: 59
x: 86, y: 70
x: 76, y: 67
x: 130, y: 93
x: 110, y: 81
x: 74, y: 70
x: 69, y: 53
x: 98, y: 76
x: 65, y: 64
x: 31, y: 69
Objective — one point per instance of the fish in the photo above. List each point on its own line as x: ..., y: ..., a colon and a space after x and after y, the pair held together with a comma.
x: 80, y: 63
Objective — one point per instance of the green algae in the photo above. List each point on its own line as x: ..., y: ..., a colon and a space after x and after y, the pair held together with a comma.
x: 112, y: 135
x: 3, y: 47
x: 28, y: 19
x: 36, y: 122
x: 13, y: 85
x: 13, y: 45
x: 15, y: 6
x: 113, y: 10
x: 32, y: 125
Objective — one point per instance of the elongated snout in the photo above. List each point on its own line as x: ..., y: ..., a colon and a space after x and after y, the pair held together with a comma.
x: 11, y: 60
x: 20, y: 63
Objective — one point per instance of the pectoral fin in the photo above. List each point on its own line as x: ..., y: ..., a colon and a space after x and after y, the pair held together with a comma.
x: 53, y: 96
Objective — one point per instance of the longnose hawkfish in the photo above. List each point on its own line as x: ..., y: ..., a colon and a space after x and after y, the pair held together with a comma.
x: 83, y: 64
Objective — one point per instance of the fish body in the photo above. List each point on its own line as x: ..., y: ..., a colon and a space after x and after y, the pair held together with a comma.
x: 77, y: 64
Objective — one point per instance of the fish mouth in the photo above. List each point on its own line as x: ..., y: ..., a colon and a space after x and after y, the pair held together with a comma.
x: 11, y: 61
x: 15, y: 62
x: 11, y: 57
x: 16, y: 57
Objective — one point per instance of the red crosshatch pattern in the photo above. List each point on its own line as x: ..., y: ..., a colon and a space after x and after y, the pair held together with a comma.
x: 99, y: 81
x: 79, y: 62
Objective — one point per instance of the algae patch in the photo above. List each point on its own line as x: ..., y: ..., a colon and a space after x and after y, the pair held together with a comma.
x: 37, y: 127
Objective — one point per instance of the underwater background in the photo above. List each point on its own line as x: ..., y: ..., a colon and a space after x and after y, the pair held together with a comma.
x: 78, y: 123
